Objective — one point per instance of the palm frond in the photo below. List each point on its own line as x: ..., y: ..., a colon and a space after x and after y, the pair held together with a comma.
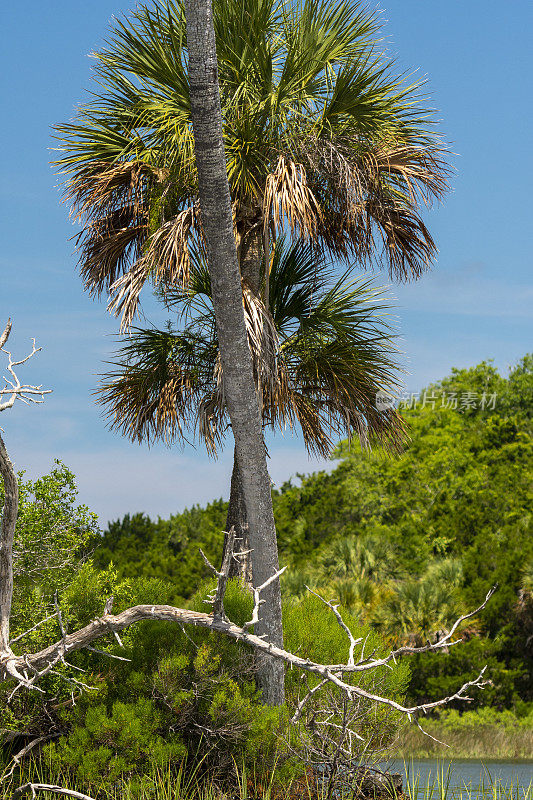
x: 370, y: 194
x: 125, y: 293
x: 288, y: 198
x: 156, y: 385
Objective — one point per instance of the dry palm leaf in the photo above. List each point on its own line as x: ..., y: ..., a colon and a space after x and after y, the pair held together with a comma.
x: 288, y: 197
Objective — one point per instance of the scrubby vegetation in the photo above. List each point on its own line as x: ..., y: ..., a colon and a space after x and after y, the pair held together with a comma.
x: 405, y: 543
x: 408, y: 543
x: 481, y: 734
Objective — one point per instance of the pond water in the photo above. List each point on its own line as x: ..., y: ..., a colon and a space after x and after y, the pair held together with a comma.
x: 467, y: 773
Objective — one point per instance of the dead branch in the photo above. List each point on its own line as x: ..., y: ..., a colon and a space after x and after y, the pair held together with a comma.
x: 5, y: 335
x: 40, y: 663
x: 28, y: 394
x: 12, y: 386
x: 17, y: 758
x: 33, y: 788
x: 335, y: 609
x: 217, y: 598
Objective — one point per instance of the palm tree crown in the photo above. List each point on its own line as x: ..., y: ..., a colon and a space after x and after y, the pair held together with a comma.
x: 322, y: 139
x: 320, y: 353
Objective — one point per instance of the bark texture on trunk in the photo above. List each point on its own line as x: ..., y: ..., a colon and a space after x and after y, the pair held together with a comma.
x: 241, y: 398
x: 7, y: 533
x: 251, y: 261
x: 237, y: 519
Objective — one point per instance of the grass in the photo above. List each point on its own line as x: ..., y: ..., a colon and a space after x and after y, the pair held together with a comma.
x: 176, y: 784
x: 482, y: 734
x: 441, y: 787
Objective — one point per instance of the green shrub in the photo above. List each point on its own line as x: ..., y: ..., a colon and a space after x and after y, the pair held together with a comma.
x: 182, y: 693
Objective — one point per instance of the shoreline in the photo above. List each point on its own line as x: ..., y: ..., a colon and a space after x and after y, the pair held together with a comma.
x: 465, y: 743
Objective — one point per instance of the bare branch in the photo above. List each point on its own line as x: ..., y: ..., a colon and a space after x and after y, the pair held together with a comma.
x: 335, y: 609
x: 303, y: 702
x: 30, y: 630
x: 5, y: 336
x: 217, y: 598
x: 12, y: 386
x: 372, y: 663
x: 15, y: 761
x: 33, y: 788
x: 40, y: 663
x: 258, y: 602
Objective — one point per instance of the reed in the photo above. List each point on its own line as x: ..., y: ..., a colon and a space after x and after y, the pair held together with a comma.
x: 466, y: 742
x: 182, y: 784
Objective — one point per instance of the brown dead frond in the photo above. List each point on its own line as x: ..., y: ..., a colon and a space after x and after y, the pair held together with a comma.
x: 167, y: 252
x: 270, y: 377
x: 211, y: 416
x: 423, y: 172
x: 111, y: 201
x: 366, y: 191
x: 165, y: 260
x: 325, y: 416
x: 125, y: 292
x: 107, y: 247
x: 263, y: 342
x: 408, y: 247
x: 289, y: 197
x: 101, y: 187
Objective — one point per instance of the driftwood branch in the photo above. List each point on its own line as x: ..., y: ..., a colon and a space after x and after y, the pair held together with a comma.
x: 29, y: 668
x: 33, y: 788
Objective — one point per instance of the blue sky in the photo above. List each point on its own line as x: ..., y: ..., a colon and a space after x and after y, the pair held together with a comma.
x: 475, y: 305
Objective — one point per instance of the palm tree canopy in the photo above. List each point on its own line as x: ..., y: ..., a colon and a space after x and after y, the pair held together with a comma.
x: 320, y: 353
x: 322, y: 137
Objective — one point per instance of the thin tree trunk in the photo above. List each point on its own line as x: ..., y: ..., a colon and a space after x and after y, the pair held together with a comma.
x: 251, y: 262
x: 237, y: 519
x: 241, y: 398
x: 7, y: 533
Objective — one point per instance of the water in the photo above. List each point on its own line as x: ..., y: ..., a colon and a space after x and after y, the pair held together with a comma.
x: 466, y: 773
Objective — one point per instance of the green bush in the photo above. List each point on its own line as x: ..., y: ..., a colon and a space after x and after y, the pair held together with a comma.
x: 183, y: 693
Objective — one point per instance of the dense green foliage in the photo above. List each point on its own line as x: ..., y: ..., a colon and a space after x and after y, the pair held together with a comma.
x: 406, y: 543
x: 166, y: 548
x: 52, y: 537
x: 179, y: 694
x: 411, y: 542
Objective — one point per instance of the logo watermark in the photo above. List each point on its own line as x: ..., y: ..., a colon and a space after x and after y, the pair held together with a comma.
x: 457, y: 401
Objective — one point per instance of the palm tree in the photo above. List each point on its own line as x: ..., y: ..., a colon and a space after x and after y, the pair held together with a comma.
x: 320, y: 353
x: 321, y: 138
x: 235, y: 357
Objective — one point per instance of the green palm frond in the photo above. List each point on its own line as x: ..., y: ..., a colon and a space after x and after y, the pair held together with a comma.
x: 322, y: 136
x: 421, y: 608
x: 154, y: 390
x: 320, y: 354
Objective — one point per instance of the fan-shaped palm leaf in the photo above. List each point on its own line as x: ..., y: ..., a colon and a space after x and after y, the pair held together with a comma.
x: 320, y: 355
x: 321, y: 137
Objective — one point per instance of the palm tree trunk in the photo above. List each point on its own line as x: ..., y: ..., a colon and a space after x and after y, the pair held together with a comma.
x: 240, y: 567
x: 241, y: 398
x: 250, y: 269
